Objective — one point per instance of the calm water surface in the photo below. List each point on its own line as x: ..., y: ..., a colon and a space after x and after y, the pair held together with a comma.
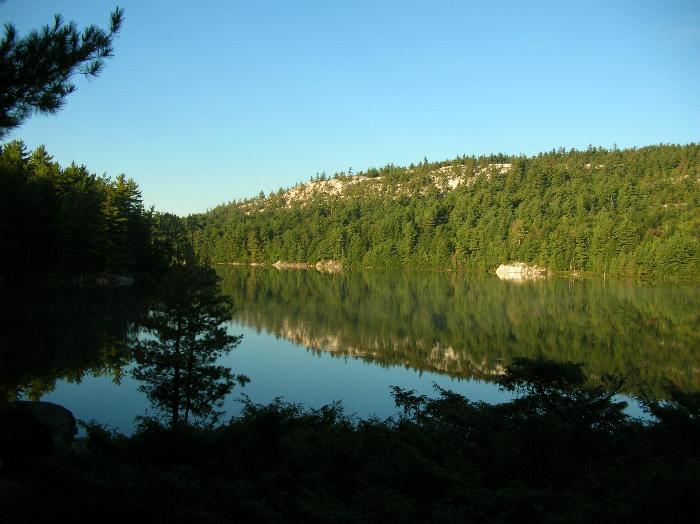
x: 314, y: 338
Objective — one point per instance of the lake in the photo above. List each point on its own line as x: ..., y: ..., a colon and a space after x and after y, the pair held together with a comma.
x: 314, y: 338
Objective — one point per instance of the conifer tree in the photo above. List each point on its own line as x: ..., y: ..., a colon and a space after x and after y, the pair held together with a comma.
x: 36, y: 71
x: 186, y: 336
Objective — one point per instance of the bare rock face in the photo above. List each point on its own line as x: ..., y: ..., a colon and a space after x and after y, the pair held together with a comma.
x: 520, y: 271
x: 31, y: 430
x: 329, y: 266
x: 290, y: 265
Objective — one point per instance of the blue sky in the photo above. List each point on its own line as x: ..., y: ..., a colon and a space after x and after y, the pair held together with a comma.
x: 208, y: 102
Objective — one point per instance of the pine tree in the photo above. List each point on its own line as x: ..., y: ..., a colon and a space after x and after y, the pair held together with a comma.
x: 185, y: 337
x: 36, y: 71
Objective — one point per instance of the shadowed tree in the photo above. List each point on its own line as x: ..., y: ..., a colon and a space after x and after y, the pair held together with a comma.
x: 185, y: 338
x: 36, y: 71
x: 559, y: 390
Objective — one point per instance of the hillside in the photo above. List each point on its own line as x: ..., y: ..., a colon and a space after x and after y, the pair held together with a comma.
x: 631, y: 212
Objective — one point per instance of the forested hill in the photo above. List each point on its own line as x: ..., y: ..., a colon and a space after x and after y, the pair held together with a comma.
x: 632, y: 211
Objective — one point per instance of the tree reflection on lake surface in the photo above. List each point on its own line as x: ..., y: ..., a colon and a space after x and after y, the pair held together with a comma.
x: 455, y: 325
x: 176, y: 362
x: 49, y: 334
x: 473, y: 325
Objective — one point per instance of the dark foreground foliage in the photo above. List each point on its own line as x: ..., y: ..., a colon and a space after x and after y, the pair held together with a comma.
x: 560, y: 452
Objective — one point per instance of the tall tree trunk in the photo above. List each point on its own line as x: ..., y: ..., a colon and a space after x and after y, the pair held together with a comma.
x: 188, y: 380
x: 176, y: 377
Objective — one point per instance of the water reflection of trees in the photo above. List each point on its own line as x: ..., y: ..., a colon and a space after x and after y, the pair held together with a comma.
x: 49, y: 334
x: 472, y: 327
x: 175, y: 331
x: 183, y: 339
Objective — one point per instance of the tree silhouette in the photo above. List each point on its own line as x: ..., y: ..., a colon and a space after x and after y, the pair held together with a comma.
x: 185, y: 337
x: 36, y: 71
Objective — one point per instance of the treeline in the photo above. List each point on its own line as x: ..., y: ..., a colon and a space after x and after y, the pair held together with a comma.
x: 625, y: 212
x: 70, y: 221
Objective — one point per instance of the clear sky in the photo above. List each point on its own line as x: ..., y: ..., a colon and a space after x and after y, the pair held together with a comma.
x: 207, y: 102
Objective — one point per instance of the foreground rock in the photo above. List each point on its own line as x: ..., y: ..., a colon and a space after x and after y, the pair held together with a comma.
x: 520, y: 271
x: 31, y: 430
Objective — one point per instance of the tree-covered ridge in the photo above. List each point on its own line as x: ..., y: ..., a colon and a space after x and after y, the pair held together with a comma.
x: 631, y: 212
x: 472, y: 327
x: 68, y: 220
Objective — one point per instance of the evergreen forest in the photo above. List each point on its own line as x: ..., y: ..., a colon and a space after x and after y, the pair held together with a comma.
x: 68, y: 221
x: 619, y: 212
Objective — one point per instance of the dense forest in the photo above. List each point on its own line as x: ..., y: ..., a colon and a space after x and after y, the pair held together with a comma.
x: 626, y: 212
x: 69, y: 221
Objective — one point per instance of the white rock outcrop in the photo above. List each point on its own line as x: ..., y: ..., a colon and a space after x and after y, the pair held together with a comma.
x: 520, y: 271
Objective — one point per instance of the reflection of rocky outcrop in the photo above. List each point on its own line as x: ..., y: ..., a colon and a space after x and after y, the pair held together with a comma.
x: 390, y: 351
x: 466, y: 326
